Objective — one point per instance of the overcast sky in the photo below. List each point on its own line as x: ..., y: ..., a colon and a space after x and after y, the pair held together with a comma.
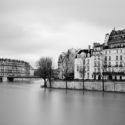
x: 30, y: 29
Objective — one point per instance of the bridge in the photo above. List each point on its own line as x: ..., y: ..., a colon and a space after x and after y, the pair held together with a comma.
x: 11, y: 78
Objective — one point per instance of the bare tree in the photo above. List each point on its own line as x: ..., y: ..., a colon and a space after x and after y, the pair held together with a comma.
x: 103, y: 78
x: 50, y: 68
x: 104, y: 65
x: 66, y: 71
x: 45, y: 69
x: 82, y: 71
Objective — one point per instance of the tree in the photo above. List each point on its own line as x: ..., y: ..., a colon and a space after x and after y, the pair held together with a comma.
x: 50, y: 72
x: 104, y: 65
x: 66, y: 68
x: 82, y: 70
x: 45, y: 69
x: 103, y: 78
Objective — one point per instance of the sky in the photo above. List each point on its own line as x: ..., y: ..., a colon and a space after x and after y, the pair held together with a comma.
x: 31, y: 29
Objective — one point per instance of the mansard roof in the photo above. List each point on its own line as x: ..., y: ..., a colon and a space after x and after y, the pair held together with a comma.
x: 117, y: 37
x: 86, y: 51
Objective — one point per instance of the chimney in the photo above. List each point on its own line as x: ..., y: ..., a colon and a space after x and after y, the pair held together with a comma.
x: 89, y: 47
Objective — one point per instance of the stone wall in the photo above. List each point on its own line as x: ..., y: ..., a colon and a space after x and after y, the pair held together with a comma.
x: 114, y: 86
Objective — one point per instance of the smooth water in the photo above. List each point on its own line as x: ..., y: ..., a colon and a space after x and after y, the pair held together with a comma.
x: 23, y: 103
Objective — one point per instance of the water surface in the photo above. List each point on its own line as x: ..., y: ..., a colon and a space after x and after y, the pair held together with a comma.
x: 25, y: 103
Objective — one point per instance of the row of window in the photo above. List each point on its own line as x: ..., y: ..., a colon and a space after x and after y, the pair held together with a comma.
x: 97, y: 64
x: 97, y: 70
x: 80, y: 68
x: 117, y: 57
x: 117, y: 51
x: 117, y: 64
x: 97, y: 58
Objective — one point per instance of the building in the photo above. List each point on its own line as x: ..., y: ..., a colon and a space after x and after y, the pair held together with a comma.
x: 97, y: 60
x: 79, y: 64
x: 66, y: 62
x: 114, y: 55
x: 11, y: 68
x: 106, y: 60
x: 103, y: 61
x: 32, y: 70
x: 83, y: 64
x: 61, y: 65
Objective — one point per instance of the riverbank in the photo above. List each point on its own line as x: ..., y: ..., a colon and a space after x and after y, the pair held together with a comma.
x: 113, y: 86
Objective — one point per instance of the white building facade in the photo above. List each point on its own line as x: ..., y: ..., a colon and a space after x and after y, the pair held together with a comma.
x: 83, y: 65
x: 114, y: 56
x: 104, y: 60
x: 97, y: 61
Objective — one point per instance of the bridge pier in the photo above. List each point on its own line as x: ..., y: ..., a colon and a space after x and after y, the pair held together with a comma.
x: 10, y: 79
x: 0, y: 79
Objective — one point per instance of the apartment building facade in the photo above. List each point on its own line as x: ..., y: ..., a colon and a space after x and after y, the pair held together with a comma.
x: 9, y: 67
x: 106, y: 60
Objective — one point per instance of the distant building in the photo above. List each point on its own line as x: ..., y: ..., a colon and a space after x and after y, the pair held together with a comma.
x: 32, y: 70
x: 9, y: 67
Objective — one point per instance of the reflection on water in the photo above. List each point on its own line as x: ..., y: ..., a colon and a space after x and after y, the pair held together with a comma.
x: 28, y: 104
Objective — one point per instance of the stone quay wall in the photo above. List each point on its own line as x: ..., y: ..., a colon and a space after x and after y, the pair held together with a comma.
x: 113, y: 86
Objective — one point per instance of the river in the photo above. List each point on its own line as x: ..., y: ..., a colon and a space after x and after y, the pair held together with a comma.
x: 25, y: 103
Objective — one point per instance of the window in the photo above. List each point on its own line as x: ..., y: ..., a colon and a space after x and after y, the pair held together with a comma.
x: 120, y: 77
x: 121, y: 57
x: 88, y: 61
x: 116, y: 64
x: 105, y: 65
x: 120, y: 64
x: 88, y: 68
x: 95, y: 64
x: 105, y: 57
x: 109, y: 57
x: 116, y: 57
x: 88, y: 75
x: 109, y: 63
